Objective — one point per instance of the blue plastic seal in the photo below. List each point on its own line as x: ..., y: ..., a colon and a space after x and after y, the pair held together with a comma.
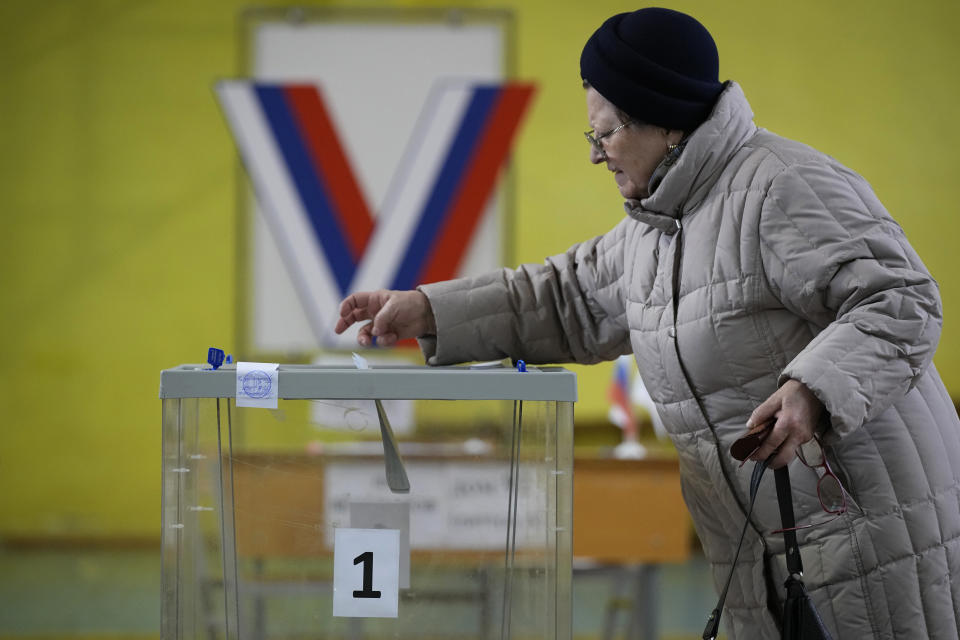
x: 215, y: 357
x: 521, y: 366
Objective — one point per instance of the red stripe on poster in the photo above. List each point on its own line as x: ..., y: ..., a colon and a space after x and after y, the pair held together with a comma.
x: 331, y: 166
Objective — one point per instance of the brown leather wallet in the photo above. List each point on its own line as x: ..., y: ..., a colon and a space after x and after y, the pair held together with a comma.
x: 746, y: 444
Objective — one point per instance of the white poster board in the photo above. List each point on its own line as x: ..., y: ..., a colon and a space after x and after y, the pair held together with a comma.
x: 398, y: 92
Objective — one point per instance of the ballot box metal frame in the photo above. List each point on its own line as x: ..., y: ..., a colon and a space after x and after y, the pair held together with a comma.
x: 188, y: 391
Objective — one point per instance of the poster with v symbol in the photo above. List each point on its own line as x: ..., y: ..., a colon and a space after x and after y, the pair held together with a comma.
x: 330, y: 239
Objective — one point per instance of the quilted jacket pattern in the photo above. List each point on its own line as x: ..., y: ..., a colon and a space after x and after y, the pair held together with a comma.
x: 758, y: 259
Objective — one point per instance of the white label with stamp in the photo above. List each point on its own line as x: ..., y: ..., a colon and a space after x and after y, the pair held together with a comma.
x: 257, y: 384
x: 366, y: 568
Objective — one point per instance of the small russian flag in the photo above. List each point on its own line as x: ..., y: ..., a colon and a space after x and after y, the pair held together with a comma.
x: 621, y: 410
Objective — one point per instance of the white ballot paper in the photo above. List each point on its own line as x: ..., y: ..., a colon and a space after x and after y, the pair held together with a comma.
x: 257, y: 384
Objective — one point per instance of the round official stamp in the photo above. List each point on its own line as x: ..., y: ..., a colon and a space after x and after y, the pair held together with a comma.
x: 256, y: 384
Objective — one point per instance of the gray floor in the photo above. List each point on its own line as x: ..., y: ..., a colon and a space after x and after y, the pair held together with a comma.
x: 117, y: 593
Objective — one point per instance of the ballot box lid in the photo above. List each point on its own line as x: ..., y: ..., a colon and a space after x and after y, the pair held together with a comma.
x: 499, y: 382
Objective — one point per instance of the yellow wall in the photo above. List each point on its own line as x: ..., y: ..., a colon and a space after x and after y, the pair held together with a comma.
x: 117, y: 192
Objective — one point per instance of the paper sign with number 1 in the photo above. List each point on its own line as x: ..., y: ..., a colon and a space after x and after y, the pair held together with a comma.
x: 366, y: 573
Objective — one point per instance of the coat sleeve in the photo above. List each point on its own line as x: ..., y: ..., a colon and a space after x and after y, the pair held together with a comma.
x: 836, y: 258
x: 569, y: 309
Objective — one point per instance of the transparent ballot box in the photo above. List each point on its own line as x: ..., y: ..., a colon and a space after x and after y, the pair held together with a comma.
x: 392, y: 502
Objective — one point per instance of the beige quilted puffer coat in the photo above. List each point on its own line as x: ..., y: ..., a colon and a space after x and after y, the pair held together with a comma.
x: 755, y: 260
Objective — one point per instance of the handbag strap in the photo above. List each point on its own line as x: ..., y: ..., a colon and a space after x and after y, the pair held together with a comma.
x: 713, y: 622
x: 785, y: 500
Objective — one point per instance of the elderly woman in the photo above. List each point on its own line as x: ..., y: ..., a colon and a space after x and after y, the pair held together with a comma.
x: 754, y: 279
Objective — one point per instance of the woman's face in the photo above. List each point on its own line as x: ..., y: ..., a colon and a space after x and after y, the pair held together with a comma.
x: 633, y: 152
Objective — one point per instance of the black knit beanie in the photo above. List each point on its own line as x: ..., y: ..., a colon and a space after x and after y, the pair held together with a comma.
x: 658, y: 65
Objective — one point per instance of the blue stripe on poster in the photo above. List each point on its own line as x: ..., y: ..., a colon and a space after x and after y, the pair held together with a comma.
x: 316, y: 201
x: 456, y: 165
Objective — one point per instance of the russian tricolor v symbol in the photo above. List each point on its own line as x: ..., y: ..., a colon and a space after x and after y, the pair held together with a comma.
x: 320, y: 219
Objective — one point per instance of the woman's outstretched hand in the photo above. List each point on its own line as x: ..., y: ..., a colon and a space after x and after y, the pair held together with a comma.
x: 395, y: 315
x: 796, y: 411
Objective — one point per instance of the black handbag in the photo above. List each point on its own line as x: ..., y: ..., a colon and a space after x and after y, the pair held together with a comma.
x: 799, y: 620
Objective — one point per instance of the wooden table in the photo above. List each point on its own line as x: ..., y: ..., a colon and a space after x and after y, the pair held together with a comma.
x: 628, y: 518
x: 629, y: 511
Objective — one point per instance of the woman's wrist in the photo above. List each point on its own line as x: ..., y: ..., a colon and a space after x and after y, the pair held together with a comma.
x: 429, y: 322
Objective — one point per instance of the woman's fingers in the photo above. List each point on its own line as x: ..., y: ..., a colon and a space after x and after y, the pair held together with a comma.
x: 766, y: 412
x: 786, y: 446
x: 352, y: 309
x: 786, y: 453
x: 365, y: 335
x: 393, y: 316
x: 385, y: 321
x: 360, y: 306
x: 797, y: 410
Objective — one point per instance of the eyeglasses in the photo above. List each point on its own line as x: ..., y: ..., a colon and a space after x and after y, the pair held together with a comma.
x: 832, y: 496
x: 596, y: 140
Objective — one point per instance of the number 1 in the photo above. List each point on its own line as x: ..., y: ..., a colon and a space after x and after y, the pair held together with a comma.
x: 367, y: 592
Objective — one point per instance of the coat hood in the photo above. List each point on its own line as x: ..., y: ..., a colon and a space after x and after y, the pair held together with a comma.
x: 679, y: 185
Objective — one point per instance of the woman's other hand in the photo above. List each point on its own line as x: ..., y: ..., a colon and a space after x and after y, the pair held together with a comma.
x: 396, y: 315
x: 796, y: 411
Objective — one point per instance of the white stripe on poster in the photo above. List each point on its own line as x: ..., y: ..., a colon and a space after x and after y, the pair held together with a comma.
x: 412, y: 183
x: 282, y: 206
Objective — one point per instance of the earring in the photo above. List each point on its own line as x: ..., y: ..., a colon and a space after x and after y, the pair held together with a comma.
x: 673, y: 154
